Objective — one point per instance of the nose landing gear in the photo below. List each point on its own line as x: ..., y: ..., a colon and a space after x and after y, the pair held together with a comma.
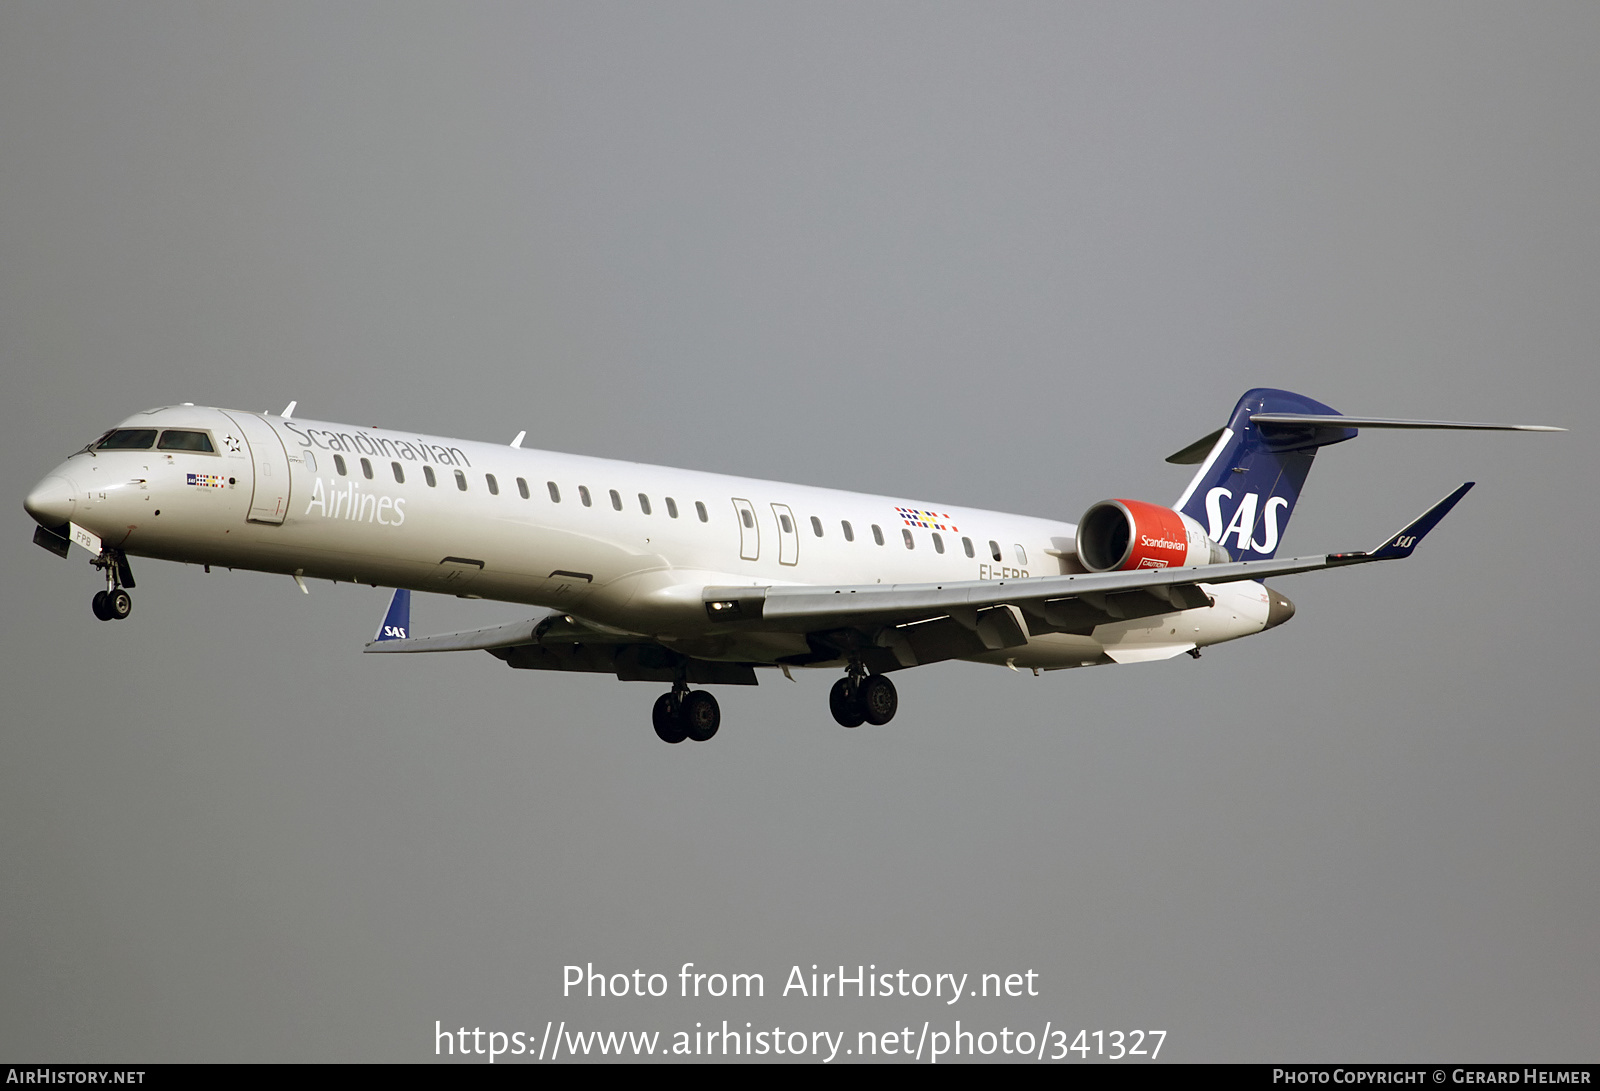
x: 681, y: 714
x: 114, y: 603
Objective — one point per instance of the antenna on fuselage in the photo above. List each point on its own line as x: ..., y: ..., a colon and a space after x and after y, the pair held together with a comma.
x: 288, y: 410
x: 520, y: 435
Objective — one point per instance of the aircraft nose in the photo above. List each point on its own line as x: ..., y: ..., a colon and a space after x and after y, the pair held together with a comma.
x: 1279, y: 609
x: 52, y: 502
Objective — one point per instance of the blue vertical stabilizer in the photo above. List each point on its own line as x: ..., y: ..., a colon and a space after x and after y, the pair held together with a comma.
x: 1247, y: 486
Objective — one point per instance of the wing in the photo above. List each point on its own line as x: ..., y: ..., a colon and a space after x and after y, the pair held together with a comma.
x: 889, y: 626
x: 921, y: 623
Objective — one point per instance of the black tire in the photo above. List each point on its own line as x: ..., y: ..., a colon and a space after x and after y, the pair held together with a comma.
x: 664, y: 717
x: 878, y: 700
x: 700, y: 715
x: 99, y: 606
x: 119, y: 604
x: 843, y: 703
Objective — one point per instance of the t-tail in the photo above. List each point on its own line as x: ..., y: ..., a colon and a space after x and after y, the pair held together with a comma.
x: 1252, y: 469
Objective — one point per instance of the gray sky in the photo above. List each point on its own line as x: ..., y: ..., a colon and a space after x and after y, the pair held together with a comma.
x: 1002, y: 255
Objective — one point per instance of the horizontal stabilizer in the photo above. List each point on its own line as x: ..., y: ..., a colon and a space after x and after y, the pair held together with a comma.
x: 1338, y: 420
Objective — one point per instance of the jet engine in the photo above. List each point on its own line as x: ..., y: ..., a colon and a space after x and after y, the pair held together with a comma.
x: 1118, y: 535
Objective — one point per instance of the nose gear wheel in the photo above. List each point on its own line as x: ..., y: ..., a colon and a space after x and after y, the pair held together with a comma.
x: 114, y: 603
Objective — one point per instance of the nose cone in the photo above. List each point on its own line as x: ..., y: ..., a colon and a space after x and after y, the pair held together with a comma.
x: 1279, y: 609
x: 51, y: 502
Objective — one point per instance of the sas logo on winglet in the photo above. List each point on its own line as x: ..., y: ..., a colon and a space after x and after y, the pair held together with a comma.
x: 393, y: 632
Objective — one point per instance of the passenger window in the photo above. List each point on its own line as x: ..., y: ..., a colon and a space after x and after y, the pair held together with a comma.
x: 494, y: 486
x: 966, y: 544
x: 672, y: 507
x: 366, y: 469
x: 644, y: 503
x: 616, y: 499
x: 911, y: 543
x: 522, y: 487
x: 849, y: 532
x: 461, y: 481
x: 877, y: 533
x: 174, y: 439
x: 783, y: 521
x: 310, y: 461
x: 399, y: 474
x: 555, y: 493
x: 816, y: 526
x: 427, y: 475
x: 746, y: 518
x: 583, y: 494
x: 994, y: 550
x: 128, y: 439
x: 1022, y: 558
x: 700, y: 510
x: 938, y: 543
x: 338, y: 464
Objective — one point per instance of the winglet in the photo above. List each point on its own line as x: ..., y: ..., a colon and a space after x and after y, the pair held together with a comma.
x: 397, y: 622
x: 1402, y: 544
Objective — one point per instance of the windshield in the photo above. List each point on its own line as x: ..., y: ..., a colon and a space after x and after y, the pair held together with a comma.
x: 128, y: 439
x: 176, y: 439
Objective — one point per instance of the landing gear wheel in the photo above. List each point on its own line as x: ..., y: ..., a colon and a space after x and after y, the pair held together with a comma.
x: 878, y: 699
x: 843, y: 703
x: 99, y: 606
x: 119, y: 604
x: 700, y: 715
x: 667, y: 722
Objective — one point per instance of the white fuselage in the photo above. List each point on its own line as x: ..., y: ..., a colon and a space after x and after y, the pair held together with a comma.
x: 625, y: 544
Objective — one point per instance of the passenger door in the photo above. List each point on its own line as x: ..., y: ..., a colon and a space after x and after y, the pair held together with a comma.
x: 269, y: 500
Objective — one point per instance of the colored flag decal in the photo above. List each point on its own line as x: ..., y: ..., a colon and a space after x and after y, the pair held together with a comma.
x: 207, y: 481
x: 927, y: 520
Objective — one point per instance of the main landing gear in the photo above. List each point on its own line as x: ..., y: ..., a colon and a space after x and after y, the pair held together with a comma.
x: 114, y: 603
x: 684, y: 714
x: 859, y: 698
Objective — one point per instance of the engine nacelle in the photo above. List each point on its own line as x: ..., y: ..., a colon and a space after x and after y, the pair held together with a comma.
x: 1117, y: 535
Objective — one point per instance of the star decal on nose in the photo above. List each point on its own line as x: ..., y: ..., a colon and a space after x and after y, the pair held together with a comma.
x: 232, y: 442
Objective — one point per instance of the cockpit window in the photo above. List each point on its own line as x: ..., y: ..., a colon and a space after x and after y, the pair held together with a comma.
x: 128, y: 439
x: 177, y: 439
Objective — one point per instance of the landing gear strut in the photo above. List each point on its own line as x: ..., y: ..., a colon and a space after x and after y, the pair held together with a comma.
x: 114, y: 603
x: 684, y: 714
x: 859, y: 698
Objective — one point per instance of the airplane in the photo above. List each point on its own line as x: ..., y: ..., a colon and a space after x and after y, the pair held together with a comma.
x: 690, y: 578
